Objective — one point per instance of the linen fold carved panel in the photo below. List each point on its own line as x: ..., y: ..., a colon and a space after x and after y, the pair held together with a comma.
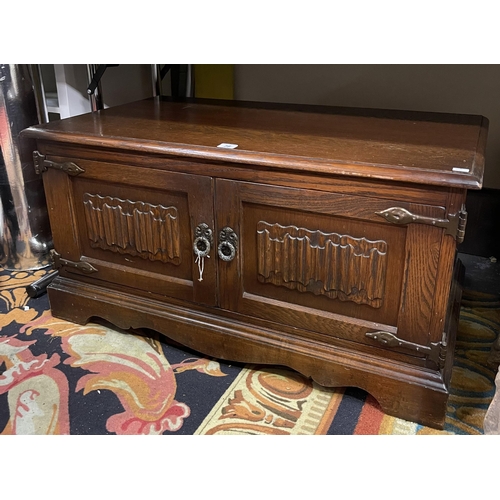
x: 133, y: 227
x: 330, y: 264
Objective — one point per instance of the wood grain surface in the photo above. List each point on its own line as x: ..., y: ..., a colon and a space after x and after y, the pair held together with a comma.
x: 317, y: 277
x: 413, y: 147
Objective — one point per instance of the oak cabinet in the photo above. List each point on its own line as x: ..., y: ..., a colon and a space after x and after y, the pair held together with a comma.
x: 322, y: 239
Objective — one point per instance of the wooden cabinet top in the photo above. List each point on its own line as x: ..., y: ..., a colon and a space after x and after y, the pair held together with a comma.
x: 415, y: 147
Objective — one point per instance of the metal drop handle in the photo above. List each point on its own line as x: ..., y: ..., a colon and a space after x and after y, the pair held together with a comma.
x: 228, y: 244
x: 202, y: 244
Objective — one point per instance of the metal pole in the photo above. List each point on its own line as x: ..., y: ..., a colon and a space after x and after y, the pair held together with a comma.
x: 189, y: 81
x: 96, y: 102
x: 41, y: 103
x: 25, y: 237
x: 156, y: 79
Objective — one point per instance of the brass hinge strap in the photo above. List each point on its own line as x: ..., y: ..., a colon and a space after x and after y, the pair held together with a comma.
x: 59, y: 262
x: 436, y: 352
x: 453, y: 225
x: 42, y: 164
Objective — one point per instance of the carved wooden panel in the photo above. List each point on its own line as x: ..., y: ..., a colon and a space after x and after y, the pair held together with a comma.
x: 133, y: 227
x: 334, y: 265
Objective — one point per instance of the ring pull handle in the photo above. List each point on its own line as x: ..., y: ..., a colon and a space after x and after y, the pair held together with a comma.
x: 228, y: 244
x: 202, y: 244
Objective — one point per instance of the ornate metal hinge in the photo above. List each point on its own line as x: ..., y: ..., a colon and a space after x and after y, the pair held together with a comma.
x: 436, y: 352
x: 461, y: 224
x: 41, y: 165
x: 453, y: 225
x: 58, y: 262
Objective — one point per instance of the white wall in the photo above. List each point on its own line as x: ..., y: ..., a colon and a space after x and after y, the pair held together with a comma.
x: 472, y: 89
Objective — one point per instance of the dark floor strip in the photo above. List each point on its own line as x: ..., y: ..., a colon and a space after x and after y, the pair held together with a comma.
x: 348, y: 412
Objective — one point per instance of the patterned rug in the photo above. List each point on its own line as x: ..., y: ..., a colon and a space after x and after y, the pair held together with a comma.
x: 57, y: 377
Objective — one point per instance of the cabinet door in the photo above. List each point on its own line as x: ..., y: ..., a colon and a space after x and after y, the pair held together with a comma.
x: 135, y: 226
x: 327, y: 262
